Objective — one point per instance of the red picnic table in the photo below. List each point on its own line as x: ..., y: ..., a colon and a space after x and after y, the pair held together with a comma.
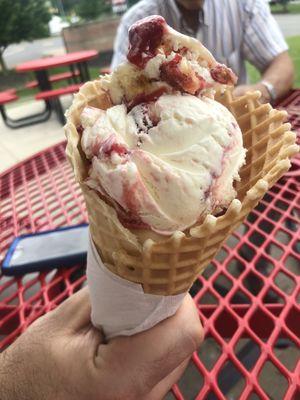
x: 77, y: 62
x: 248, y: 297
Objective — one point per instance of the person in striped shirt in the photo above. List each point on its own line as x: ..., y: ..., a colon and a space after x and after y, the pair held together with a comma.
x: 233, y: 30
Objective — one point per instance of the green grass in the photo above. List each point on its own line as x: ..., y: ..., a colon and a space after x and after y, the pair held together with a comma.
x: 253, y: 73
x: 292, y: 8
x: 294, y: 45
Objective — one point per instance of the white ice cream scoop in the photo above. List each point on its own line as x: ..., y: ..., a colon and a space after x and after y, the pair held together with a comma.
x: 164, y: 164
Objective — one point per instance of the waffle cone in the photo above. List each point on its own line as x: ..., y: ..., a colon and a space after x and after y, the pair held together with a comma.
x: 169, y: 266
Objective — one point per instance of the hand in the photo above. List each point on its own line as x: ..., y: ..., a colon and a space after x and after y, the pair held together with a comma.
x: 242, y: 89
x: 63, y: 357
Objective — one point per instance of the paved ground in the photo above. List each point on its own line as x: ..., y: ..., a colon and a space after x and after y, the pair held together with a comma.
x: 25, y: 51
x: 289, y: 24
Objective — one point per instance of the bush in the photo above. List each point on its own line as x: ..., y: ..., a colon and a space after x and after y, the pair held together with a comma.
x: 22, y: 20
x: 91, y: 9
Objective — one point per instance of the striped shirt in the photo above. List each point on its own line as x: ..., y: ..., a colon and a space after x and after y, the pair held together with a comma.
x: 233, y: 30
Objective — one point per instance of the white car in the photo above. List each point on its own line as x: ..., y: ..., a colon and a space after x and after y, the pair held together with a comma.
x: 119, y: 6
x: 56, y: 24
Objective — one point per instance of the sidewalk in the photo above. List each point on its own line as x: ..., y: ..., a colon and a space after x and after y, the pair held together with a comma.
x: 288, y: 23
x: 18, y: 144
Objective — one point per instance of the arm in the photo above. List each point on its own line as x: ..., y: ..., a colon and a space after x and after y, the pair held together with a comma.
x: 280, y: 73
x: 264, y: 46
x: 121, y: 44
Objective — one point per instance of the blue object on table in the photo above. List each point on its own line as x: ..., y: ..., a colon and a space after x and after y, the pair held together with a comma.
x: 59, y: 248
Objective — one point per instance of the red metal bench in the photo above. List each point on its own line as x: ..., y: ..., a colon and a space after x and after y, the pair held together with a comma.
x: 53, y: 96
x: 11, y: 91
x: 55, y: 78
x: 54, y: 93
x: 8, y: 96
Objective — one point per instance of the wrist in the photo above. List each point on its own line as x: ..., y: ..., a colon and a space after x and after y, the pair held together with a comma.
x: 268, y: 91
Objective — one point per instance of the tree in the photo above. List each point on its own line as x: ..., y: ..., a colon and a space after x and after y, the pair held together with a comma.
x: 68, y: 6
x: 284, y: 4
x: 91, y: 9
x: 22, y: 20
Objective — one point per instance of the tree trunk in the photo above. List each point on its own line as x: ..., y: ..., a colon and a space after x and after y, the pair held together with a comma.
x: 2, y: 62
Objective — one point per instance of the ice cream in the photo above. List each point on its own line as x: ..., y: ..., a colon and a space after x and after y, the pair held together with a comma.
x: 165, y: 154
x: 166, y: 163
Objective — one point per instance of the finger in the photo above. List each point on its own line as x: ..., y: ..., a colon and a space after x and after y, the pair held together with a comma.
x: 154, y: 354
x: 75, y: 312
x: 162, y: 388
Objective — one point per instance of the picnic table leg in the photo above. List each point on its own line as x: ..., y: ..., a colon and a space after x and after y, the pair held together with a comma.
x: 59, y: 110
x: 86, y: 71
x: 55, y: 104
x: 73, y: 71
x: 83, y: 71
x: 43, y: 79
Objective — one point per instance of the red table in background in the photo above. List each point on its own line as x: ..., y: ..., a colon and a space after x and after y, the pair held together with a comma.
x: 248, y: 298
x: 57, y: 61
x: 40, y: 67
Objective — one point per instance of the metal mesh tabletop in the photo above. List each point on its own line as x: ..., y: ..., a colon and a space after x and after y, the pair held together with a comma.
x: 248, y: 298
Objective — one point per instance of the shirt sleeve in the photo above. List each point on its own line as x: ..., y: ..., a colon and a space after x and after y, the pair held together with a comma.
x: 121, y: 44
x: 263, y: 40
x: 138, y: 11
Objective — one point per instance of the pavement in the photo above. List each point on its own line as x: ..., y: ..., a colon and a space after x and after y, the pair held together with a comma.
x: 26, y: 51
x: 19, y: 144
x: 289, y: 24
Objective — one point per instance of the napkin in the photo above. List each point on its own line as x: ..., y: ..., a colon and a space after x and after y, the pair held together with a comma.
x: 120, y: 307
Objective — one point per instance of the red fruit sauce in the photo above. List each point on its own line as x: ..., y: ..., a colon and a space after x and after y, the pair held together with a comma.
x: 80, y: 129
x: 146, y: 98
x: 223, y: 75
x: 109, y: 148
x: 171, y: 73
x: 145, y: 36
